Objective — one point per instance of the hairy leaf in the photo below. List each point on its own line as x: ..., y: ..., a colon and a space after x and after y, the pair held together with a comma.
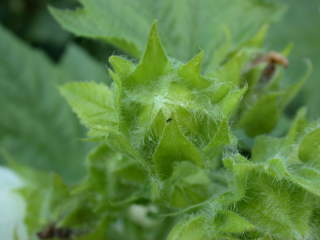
x: 36, y: 126
x: 187, y: 25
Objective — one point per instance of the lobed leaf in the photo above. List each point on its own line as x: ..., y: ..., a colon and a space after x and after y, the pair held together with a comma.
x: 125, y: 24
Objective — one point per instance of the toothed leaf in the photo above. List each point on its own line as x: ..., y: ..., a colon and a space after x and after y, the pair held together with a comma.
x: 96, y: 19
x: 93, y: 103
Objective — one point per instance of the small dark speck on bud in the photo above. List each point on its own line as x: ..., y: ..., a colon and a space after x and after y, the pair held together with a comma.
x: 169, y: 120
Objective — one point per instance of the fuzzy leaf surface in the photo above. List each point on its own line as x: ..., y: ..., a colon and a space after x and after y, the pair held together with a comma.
x: 125, y: 23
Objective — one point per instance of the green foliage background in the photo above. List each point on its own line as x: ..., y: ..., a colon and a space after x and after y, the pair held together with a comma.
x: 298, y: 26
x: 31, y: 21
x: 38, y: 129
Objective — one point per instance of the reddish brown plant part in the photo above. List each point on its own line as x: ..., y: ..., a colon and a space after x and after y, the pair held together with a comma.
x: 51, y: 231
x: 272, y: 59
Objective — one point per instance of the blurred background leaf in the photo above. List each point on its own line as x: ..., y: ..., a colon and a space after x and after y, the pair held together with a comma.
x: 300, y: 26
x: 186, y: 26
x: 36, y: 126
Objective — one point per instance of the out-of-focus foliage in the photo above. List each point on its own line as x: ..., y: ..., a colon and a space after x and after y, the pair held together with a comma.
x: 32, y: 22
x: 36, y: 127
x: 186, y: 25
x: 30, y: 19
x: 299, y: 26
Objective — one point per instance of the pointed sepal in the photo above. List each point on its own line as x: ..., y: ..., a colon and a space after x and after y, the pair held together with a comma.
x: 121, y: 65
x: 174, y: 147
x: 190, y: 73
x: 153, y: 64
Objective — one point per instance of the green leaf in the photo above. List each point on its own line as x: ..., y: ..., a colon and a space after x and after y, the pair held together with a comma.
x: 230, y: 103
x: 217, y: 144
x: 266, y: 148
x: 307, y: 177
x: 188, y: 185
x: 230, y: 222
x: 258, y: 40
x: 262, y: 116
x: 274, y: 206
x: 82, y: 67
x: 276, y: 187
x: 305, y: 44
x: 112, y: 175
x: 230, y: 71
x: 83, y: 22
x: 264, y: 103
x: 98, y: 233
x: 213, y: 227
x: 93, y: 103
x: 309, y: 150
x: 36, y: 125
x: 315, y: 222
x: 190, y: 229
x: 282, y: 159
x: 184, y: 30
x: 298, y: 126
x: 122, y: 66
x: 293, y: 90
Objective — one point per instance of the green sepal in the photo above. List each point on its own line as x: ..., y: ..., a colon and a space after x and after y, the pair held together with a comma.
x: 121, y: 66
x: 231, y: 102
x: 298, y: 126
x: 152, y: 65
x: 262, y: 116
x: 230, y: 222
x: 309, y: 149
x: 188, y: 185
x: 191, y: 229
x: 273, y: 205
x: 191, y: 73
x: 221, y: 139
x: 174, y: 147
